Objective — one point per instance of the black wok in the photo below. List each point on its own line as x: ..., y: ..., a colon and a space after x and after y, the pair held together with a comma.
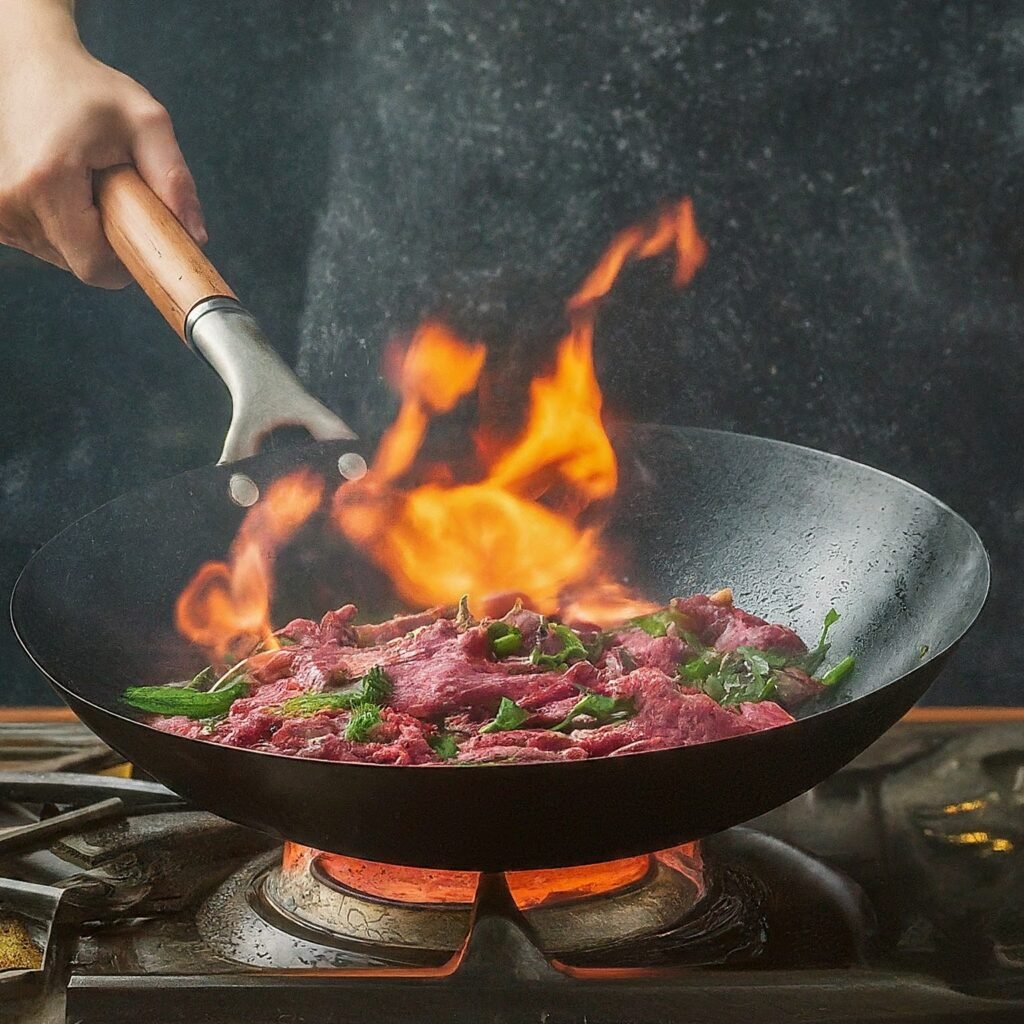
x: 792, y: 530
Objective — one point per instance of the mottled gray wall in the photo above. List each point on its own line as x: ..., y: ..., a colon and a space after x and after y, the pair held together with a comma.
x: 857, y: 167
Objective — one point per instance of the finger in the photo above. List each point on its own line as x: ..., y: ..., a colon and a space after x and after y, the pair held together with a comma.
x: 48, y: 254
x: 72, y: 225
x: 158, y: 159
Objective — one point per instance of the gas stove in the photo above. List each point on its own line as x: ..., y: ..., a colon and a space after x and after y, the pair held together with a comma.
x: 894, y: 891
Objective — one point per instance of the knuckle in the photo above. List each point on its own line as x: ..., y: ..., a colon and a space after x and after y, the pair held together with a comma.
x: 153, y: 116
x: 178, y: 178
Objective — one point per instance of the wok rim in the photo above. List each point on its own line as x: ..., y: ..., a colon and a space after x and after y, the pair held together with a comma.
x: 939, y: 652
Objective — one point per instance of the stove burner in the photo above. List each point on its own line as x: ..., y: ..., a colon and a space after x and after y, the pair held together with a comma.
x: 117, y: 902
x: 302, y: 898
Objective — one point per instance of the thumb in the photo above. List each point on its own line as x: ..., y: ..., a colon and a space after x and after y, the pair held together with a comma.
x: 159, y: 161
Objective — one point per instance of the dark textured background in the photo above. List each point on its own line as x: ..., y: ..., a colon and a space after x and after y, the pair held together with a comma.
x: 857, y: 168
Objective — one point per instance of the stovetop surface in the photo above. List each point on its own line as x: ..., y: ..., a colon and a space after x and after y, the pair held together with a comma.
x: 893, y: 891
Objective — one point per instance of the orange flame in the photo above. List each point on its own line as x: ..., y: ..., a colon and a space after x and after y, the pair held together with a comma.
x: 226, y: 606
x: 529, y: 889
x: 497, y: 536
x: 437, y: 370
x: 675, y: 225
x: 515, y: 531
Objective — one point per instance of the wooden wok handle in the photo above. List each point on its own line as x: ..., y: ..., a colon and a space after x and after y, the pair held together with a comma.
x: 158, y: 252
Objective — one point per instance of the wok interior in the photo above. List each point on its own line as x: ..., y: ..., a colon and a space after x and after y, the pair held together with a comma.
x: 792, y: 531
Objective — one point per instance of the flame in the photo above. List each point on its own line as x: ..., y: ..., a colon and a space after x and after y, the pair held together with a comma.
x: 436, y: 371
x: 674, y: 226
x: 516, y: 530
x: 226, y: 606
x: 529, y: 889
x: 520, y: 528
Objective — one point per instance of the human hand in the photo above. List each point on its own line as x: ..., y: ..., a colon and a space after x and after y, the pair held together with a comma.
x: 63, y: 115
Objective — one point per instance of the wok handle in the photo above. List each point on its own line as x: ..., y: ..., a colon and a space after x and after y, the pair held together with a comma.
x: 157, y: 251
x: 201, y: 307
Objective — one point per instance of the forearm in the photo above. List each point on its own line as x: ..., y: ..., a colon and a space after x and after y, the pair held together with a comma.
x: 33, y: 24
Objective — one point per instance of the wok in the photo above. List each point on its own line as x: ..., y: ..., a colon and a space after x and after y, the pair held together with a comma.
x: 792, y: 530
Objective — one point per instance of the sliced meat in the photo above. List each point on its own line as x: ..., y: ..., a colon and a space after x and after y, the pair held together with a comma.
x: 646, y: 651
x: 443, y: 673
x: 400, y: 625
x: 527, y: 622
x: 794, y: 686
x: 666, y: 716
x: 765, y: 714
x: 726, y: 627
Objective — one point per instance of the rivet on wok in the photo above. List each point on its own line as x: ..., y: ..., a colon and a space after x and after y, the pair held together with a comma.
x: 352, y: 466
x: 243, y: 490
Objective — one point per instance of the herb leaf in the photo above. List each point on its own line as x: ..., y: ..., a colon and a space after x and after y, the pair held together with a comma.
x: 444, y: 745
x: 510, y: 716
x: 600, y: 708
x: 656, y: 623
x: 573, y: 649
x: 746, y: 689
x: 748, y: 675
x: 365, y: 718
x: 182, y: 700
x: 374, y: 688
x: 831, y: 618
x: 306, y: 704
x: 811, y: 661
x: 704, y: 665
x: 743, y: 676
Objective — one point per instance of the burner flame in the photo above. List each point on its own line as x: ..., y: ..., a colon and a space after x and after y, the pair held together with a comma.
x: 529, y: 889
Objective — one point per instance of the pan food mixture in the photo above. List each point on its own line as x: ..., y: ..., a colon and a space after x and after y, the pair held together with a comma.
x: 604, y: 672
x: 443, y: 687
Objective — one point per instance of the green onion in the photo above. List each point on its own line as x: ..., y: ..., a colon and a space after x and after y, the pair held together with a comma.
x: 508, y: 644
x: 811, y: 661
x: 504, y: 639
x: 375, y: 686
x: 831, y: 618
x: 837, y: 672
x: 573, y: 649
